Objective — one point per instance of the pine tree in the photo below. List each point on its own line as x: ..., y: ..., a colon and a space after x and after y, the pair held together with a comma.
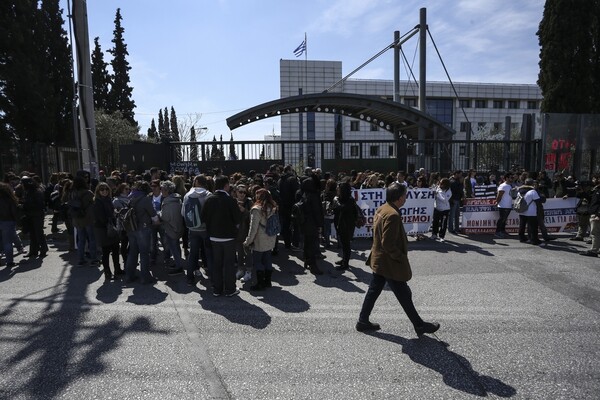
x: 194, y: 147
x: 232, y: 155
x: 262, y: 153
x: 161, y: 126
x: 120, y: 91
x: 175, y: 134
x: 152, y: 132
x: 569, y: 56
x: 100, y: 77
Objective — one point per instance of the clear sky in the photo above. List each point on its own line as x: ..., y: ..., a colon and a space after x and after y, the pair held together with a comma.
x: 213, y: 58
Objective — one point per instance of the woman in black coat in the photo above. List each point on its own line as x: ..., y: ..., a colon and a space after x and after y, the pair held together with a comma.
x: 313, y: 223
x: 104, y: 213
x: 346, y: 213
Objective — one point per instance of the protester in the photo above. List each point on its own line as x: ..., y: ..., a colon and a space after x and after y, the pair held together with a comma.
x: 258, y: 240
x: 346, y: 213
x: 172, y: 224
x: 441, y: 210
x: 80, y: 205
x: 104, y: 214
x: 8, y: 221
x: 244, y: 261
x: 594, y: 210
x: 504, y: 203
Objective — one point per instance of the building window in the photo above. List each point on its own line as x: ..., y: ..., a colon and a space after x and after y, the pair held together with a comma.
x: 464, y: 103
x: 497, y: 126
x: 390, y: 151
x: 354, y: 126
x: 480, y: 103
x: 532, y: 105
x: 374, y: 128
x: 374, y: 151
x: 410, y: 101
x: 354, y: 151
x: 514, y: 126
x: 481, y: 125
x: 498, y: 103
x: 464, y: 126
x: 513, y: 104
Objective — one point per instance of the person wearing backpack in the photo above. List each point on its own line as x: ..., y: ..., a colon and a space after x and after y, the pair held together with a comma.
x: 528, y: 219
x: 139, y: 239
x: 259, y: 240
x: 172, y: 224
x: 199, y: 243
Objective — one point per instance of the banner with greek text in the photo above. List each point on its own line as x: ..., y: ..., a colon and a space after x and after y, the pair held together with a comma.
x: 191, y: 167
x: 481, y: 215
x: 417, y: 212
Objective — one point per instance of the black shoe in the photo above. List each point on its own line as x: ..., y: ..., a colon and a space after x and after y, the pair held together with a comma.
x: 339, y: 262
x: 427, y: 327
x: 11, y: 265
x: 577, y: 239
x: 341, y: 267
x: 30, y: 255
x: 175, y: 271
x: 589, y: 253
x: 315, y: 270
x: 150, y: 281
x: 191, y: 280
x: 367, y: 326
x: 131, y: 280
x: 43, y: 254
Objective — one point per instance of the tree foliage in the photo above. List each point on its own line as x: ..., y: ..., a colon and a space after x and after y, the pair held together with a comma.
x: 175, y: 134
x: 36, y: 77
x: 113, y: 130
x: 101, y: 80
x: 232, y: 155
x: 194, y: 147
x: 152, y: 132
x: 570, y: 57
x: 120, y: 95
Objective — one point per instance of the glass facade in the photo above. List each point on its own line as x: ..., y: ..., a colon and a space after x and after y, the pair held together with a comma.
x: 442, y: 109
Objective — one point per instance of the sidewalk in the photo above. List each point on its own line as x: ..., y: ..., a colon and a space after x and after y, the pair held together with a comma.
x: 517, y: 321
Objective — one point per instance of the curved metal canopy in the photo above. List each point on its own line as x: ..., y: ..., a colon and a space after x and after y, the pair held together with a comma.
x: 386, y: 114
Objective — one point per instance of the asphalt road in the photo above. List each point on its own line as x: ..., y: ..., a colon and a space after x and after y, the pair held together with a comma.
x: 517, y: 321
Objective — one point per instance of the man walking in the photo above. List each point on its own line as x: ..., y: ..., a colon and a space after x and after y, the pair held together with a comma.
x: 222, y: 216
x: 389, y: 262
x: 504, y: 203
x: 457, y: 187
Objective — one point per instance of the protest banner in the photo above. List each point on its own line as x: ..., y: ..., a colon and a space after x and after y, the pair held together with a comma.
x: 191, y: 167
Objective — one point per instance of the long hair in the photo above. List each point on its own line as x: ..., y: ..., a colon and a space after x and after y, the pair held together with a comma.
x: 102, y: 185
x: 264, y: 200
x: 6, y: 192
x: 344, y: 191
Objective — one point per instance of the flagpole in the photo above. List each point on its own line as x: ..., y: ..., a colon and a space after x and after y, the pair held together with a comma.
x: 305, y: 60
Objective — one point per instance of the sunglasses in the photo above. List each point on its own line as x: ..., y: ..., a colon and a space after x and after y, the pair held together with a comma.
x: 104, y: 190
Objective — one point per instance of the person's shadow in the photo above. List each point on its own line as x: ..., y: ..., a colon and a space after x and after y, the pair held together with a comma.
x: 455, y: 369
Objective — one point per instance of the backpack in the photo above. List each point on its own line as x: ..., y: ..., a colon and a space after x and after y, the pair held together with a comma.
x: 328, y: 209
x: 520, y: 205
x: 298, y: 215
x: 273, y: 227
x: 191, y: 212
x: 128, y: 218
x: 75, y: 206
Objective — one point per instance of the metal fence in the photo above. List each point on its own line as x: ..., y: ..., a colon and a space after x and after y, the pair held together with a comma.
x: 382, y: 155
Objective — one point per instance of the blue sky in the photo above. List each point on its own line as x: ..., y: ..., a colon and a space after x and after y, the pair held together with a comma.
x: 213, y: 58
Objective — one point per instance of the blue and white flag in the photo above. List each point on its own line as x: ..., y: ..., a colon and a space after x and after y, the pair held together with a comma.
x: 300, y: 49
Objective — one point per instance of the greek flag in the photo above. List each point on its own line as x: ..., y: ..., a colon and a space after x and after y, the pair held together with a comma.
x: 300, y: 49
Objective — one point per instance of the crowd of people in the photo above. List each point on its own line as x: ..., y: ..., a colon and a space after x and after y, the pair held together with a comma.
x: 229, y: 237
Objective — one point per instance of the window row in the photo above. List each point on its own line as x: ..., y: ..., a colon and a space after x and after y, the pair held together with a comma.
x: 355, y: 126
x: 510, y: 104
x: 496, y: 126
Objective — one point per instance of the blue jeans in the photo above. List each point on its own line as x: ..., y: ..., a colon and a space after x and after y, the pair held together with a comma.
x: 174, y: 249
x: 402, y: 292
x: 139, y: 244
x: 7, y: 229
x: 262, y: 260
x: 454, y: 217
x: 327, y: 231
x: 86, y: 235
x: 503, y: 214
x: 199, y: 246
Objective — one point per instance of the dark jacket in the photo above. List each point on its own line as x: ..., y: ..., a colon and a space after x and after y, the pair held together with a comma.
x: 222, y: 215
x: 8, y: 210
x: 103, y: 212
x: 345, y: 215
x: 288, y: 186
x: 144, y: 209
x: 313, y: 209
x: 594, y: 206
x: 457, y: 189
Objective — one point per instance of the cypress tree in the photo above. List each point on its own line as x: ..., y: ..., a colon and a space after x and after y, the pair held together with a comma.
x: 194, y: 148
x: 161, y: 126
x: 166, y: 126
x: 568, y: 38
x: 232, y: 155
x: 100, y: 77
x: 175, y: 133
x: 152, y: 132
x: 120, y: 91
x: 221, y: 149
x: 214, y: 152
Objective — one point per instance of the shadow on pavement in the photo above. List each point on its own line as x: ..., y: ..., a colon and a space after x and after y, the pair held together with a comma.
x: 457, y: 372
x: 282, y: 300
x: 236, y: 310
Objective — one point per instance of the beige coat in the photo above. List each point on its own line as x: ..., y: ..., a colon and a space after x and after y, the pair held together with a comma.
x: 389, y: 253
x: 257, y: 236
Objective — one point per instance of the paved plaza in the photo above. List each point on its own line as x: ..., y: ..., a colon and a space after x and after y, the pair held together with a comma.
x: 517, y: 321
